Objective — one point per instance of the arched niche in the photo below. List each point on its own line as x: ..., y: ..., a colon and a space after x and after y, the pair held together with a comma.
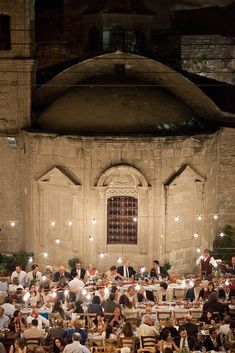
x: 124, y: 181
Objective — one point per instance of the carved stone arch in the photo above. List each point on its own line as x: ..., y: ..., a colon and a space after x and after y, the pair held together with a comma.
x: 184, y: 192
x: 57, y: 201
x: 123, y: 176
x: 124, y: 181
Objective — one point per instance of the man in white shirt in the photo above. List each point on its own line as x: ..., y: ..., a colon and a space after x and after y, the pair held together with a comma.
x: 4, y: 319
x: 76, y: 346
x: 42, y: 321
x: 19, y: 274
x: 9, y: 308
x: 147, y: 328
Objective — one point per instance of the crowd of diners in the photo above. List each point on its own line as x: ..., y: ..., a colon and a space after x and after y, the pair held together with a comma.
x: 70, y: 311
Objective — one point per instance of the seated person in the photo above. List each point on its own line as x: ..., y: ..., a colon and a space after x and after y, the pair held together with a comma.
x: 212, y: 342
x: 207, y: 318
x: 127, y: 330
x: 144, y: 295
x: 116, y: 320
x: 158, y: 271
x: 147, y: 329
x: 148, y: 311
x: 127, y: 308
x: 218, y: 308
x: 98, y: 324
x: 196, y: 292
x: 77, y: 328
x: 94, y: 307
x: 185, y: 341
x: 226, y: 292
x: 164, y: 294
x: 166, y: 342
x: 112, y: 274
x: 210, y: 289
x: 168, y: 325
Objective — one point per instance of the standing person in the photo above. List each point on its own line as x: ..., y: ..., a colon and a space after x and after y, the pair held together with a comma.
x: 206, y: 262
x: 76, y: 346
x: 19, y: 274
x: 126, y: 270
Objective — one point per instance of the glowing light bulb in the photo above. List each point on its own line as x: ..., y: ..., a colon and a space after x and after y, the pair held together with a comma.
x: 70, y: 223
x: 30, y: 259
x: 88, y: 296
x: 54, y: 294
x: 135, y: 219
x: 198, y: 250
x: 195, y: 235
x: 66, y: 292
x: 137, y: 287
x: 215, y: 216
x: 191, y: 283
x: 119, y: 260
x: 84, y: 291
x: 94, y: 221
x: 102, y: 255
x: 142, y: 269
x: 221, y: 234
x: 176, y: 218
x: 199, y: 217
x: 45, y: 254
x: 44, y: 278
x: 91, y: 238
x: 53, y: 223
x: 57, y: 240
x: 12, y: 223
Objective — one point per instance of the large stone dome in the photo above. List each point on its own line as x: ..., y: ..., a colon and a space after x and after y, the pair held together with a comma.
x: 125, y: 94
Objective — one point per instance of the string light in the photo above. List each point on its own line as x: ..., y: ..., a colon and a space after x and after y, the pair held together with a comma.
x: 195, y: 235
x: 215, y: 216
x: 70, y: 223
x: 119, y: 260
x: 102, y: 255
x: 221, y: 234
x: 199, y: 217
x: 53, y: 223
x: 198, y: 250
x: 91, y: 238
x: 142, y: 269
x: 94, y: 221
x: 191, y: 283
x: 176, y: 218
x: 57, y: 240
x: 12, y: 223
x: 134, y: 219
x: 30, y: 259
x: 45, y: 254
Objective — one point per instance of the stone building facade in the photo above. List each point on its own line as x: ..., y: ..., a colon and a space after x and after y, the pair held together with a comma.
x: 49, y: 175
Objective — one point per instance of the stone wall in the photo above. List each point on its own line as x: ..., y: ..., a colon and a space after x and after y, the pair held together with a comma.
x: 69, y: 169
x: 209, y: 55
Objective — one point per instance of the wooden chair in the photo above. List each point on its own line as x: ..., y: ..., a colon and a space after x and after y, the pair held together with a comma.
x: 163, y: 315
x: 92, y: 341
x: 179, y: 316
x: 32, y: 343
x: 196, y: 314
x: 90, y: 318
x: 114, y: 342
x: 128, y: 342
x: 179, y: 293
x: 149, y: 341
x: 101, y: 349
